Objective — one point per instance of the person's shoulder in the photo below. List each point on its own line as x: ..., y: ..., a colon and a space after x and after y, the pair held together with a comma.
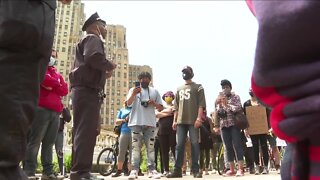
x: 197, y: 86
x: 152, y: 89
x: 247, y: 103
x: 235, y: 96
x: 183, y: 86
x: 90, y: 37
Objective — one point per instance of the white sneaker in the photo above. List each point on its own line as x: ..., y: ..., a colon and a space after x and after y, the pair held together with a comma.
x: 265, y: 170
x: 133, y: 175
x: 154, y: 174
x: 164, y: 174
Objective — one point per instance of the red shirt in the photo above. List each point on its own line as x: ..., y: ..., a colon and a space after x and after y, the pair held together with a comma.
x: 52, y: 89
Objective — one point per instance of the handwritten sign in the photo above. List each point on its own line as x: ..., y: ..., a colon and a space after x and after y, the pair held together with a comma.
x: 257, y: 117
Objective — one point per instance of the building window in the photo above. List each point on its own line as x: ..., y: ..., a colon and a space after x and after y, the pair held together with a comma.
x: 125, y: 75
x: 63, y: 49
x: 118, y: 83
x: 119, y: 56
x: 125, y: 66
x: 124, y: 84
x: 61, y: 63
x: 118, y: 101
x: 118, y: 92
x: 119, y: 74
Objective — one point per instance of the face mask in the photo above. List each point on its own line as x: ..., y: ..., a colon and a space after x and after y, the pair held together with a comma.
x: 226, y: 91
x: 186, y: 76
x: 251, y: 94
x: 100, y: 35
x: 144, y: 85
x: 52, y: 61
x: 168, y: 99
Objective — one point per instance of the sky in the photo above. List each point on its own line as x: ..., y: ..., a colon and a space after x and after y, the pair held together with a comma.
x: 216, y: 38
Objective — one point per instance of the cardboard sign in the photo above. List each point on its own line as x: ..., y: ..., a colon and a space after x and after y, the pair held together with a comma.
x: 257, y: 118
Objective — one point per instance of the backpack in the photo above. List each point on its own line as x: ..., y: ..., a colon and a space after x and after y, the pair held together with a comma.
x: 117, y: 129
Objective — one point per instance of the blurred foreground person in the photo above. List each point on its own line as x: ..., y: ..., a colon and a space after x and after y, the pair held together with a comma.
x: 26, y: 36
x: 286, y: 77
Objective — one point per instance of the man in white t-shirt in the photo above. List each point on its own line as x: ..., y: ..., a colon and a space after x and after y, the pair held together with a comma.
x: 142, y: 122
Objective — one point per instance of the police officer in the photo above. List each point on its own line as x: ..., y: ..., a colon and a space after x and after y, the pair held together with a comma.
x: 88, y: 78
x: 26, y: 36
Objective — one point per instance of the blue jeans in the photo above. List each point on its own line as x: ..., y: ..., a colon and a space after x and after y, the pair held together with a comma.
x: 231, y: 138
x: 43, y: 131
x: 146, y: 134
x: 182, y: 130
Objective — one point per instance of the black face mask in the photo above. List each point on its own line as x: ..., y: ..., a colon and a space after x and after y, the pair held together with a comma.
x: 186, y: 76
x: 144, y: 85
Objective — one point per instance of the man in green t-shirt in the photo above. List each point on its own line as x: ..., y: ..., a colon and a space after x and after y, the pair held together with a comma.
x: 189, y: 104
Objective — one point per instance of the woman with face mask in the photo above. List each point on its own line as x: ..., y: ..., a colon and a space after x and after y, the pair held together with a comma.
x: 166, y: 135
x: 226, y: 105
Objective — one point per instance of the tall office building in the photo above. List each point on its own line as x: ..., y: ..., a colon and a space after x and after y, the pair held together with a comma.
x: 69, y: 21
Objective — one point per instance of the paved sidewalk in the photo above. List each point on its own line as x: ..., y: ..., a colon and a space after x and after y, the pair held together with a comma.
x: 271, y: 176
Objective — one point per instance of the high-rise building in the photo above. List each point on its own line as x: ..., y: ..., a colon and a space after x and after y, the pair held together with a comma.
x: 69, y: 21
x: 117, y: 86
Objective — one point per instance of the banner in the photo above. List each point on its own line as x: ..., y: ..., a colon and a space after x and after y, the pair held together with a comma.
x: 257, y: 118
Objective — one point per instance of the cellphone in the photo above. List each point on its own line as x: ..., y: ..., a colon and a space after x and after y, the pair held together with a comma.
x: 137, y: 84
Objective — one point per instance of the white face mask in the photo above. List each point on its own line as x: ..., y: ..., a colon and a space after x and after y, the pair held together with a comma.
x: 52, y: 61
x: 226, y: 91
x: 100, y: 35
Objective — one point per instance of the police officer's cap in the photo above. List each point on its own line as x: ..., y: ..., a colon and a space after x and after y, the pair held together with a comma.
x: 93, y: 18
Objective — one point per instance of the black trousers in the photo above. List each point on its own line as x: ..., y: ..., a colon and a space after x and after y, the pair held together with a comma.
x: 204, y: 158
x: 262, y: 138
x: 167, y: 143
x: 86, y: 105
x: 26, y: 36
x: 157, y: 151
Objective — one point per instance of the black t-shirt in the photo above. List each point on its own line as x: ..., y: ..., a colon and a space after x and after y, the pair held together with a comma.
x: 165, y: 125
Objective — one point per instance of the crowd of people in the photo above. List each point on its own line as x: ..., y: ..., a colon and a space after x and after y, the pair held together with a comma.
x: 31, y: 92
x: 184, y: 128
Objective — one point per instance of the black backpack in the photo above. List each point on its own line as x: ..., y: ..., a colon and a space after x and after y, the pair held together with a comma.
x: 117, y: 129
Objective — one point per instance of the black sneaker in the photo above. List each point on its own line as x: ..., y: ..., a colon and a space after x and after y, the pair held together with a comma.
x: 117, y: 174
x: 126, y: 173
x: 197, y: 175
x: 252, y: 170
x: 140, y: 173
x: 175, y: 174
